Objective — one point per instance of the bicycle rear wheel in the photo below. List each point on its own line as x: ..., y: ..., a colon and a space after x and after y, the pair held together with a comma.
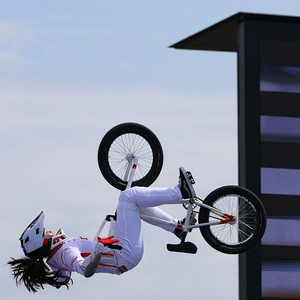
x: 130, y: 140
x: 249, y: 225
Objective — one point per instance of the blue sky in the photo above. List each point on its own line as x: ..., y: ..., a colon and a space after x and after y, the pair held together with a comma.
x: 71, y: 70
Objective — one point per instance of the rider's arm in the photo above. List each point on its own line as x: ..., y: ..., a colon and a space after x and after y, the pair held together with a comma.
x: 72, y: 260
x: 90, y: 264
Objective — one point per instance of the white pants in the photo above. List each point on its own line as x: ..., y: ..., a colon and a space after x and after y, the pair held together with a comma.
x: 127, y: 229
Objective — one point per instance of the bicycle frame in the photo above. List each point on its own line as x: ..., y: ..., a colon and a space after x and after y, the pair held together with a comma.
x: 222, y: 218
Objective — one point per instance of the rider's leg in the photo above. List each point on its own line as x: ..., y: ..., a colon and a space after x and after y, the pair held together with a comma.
x: 151, y: 197
x: 127, y: 229
x: 128, y: 225
x: 155, y: 212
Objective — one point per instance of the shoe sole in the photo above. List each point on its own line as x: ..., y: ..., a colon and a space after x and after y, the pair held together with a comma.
x: 189, y: 180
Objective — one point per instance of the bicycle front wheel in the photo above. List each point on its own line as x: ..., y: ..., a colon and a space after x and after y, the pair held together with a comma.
x: 130, y: 140
x: 249, y: 215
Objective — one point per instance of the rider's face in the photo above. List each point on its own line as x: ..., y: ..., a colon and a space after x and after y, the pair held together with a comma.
x: 49, y: 234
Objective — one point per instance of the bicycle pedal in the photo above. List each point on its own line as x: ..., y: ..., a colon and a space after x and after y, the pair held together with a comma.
x: 183, y: 247
x: 190, y: 176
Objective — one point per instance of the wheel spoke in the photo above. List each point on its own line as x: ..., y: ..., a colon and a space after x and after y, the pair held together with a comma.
x: 130, y: 145
x: 244, y: 214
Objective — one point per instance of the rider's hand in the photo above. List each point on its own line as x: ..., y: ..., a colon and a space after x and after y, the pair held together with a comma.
x: 108, y: 240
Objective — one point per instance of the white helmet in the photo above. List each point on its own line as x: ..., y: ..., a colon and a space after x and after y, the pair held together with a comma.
x: 33, y: 242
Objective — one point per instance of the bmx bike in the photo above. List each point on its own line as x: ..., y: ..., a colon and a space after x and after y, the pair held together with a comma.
x: 231, y: 219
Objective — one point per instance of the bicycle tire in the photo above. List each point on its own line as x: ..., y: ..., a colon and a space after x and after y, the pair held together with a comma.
x: 130, y: 139
x: 250, y: 223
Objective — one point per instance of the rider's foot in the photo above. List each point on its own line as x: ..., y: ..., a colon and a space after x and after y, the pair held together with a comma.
x: 185, y: 184
x: 179, y: 231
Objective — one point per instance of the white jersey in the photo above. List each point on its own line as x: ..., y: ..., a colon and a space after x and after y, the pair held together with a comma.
x: 72, y: 253
x: 69, y: 256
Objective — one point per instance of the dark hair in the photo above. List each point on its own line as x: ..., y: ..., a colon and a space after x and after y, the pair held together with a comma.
x: 35, y: 273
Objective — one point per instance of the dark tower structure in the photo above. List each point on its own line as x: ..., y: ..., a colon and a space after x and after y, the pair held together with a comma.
x: 268, y: 53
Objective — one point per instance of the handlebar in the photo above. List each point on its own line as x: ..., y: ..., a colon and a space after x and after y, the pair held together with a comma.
x: 117, y: 247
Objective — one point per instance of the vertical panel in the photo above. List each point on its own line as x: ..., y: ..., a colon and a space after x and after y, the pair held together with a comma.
x: 249, y: 144
x: 269, y: 153
x: 280, y: 172
x: 268, y: 48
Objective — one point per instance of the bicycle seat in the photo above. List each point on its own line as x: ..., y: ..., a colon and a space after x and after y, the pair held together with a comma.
x: 184, y: 247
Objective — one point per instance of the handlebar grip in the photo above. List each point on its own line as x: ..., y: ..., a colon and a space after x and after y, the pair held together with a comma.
x: 117, y: 247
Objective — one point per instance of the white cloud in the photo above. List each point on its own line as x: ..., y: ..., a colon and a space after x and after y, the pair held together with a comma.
x: 14, y: 39
x: 13, y: 31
